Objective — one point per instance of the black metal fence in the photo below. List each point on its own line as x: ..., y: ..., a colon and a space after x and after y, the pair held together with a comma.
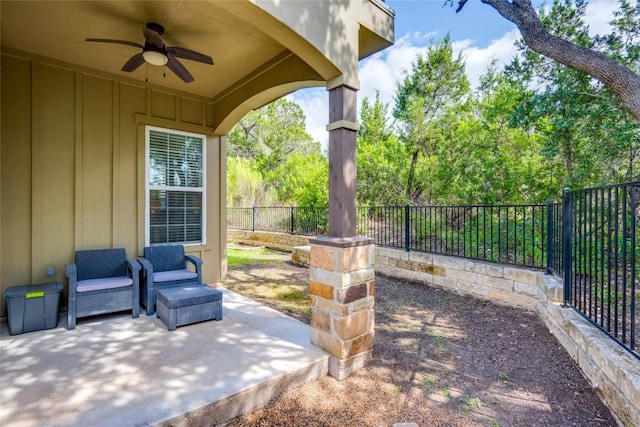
x: 507, y: 234
x: 601, y: 258
x: 591, y: 239
x: 306, y: 221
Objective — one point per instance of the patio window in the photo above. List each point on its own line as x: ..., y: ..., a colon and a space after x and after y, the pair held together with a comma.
x: 175, y: 177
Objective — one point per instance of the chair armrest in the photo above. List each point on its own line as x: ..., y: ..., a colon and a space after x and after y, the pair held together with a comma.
x: 70, y: 270
x: 146, y: 266
x: 134, y: 266
x: 197, y: 262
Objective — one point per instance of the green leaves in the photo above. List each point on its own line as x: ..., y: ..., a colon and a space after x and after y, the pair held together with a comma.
x: 273, y: 160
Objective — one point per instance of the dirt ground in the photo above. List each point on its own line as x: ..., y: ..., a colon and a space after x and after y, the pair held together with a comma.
x: 440, y: 359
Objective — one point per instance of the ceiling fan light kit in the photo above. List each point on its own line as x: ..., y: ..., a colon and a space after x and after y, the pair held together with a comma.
x: 155, y: 58
x: 155, y: 52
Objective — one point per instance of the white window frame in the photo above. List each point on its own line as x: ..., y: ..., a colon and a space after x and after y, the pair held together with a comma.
x: 149, y: 187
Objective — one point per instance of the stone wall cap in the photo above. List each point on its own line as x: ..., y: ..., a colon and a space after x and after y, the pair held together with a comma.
x: 342, y: 242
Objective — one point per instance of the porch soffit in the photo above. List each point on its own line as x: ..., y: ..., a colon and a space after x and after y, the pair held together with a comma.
x: 57, y: 30
x: 262, y: 49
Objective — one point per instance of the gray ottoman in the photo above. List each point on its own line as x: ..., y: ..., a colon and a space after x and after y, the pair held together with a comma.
x: 188, y: 304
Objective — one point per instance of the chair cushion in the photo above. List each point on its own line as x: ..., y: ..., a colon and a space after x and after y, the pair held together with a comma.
x: 187, y: 296
x: 106, y: 283
x: 169, y: 276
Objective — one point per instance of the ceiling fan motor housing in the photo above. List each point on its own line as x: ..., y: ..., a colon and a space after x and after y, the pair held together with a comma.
x: 155, y: 27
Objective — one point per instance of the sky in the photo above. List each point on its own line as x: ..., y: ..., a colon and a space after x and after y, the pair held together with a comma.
x: 478, y: 32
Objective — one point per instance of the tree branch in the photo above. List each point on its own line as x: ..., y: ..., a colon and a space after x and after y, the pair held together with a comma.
x: 620, y: 79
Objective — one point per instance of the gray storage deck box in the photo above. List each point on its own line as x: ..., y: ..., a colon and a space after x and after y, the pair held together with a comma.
x: 32, y: 307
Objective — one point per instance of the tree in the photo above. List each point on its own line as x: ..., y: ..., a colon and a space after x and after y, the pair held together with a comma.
x: 620, y: 79
x: 245, y: 186
x: 303, y: 180
x: 382, y: 159
x: 583, y: 126
x: 270, y: 134
x: 434, y: 84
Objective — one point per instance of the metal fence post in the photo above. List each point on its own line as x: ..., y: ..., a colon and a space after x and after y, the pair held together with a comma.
x: 550, y: 236
x: 291, y: 220
x: 406, y: 227
x: 253, y: 218
x: 566, y: 243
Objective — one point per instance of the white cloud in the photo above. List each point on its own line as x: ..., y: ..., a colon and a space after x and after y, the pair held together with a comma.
x: 315, y: 104
x: 598, y: 15
x: 383, y: 71
x: 478, y: 59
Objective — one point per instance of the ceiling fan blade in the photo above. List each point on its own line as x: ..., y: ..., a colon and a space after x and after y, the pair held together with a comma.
x: 152, y: 38
x: 134, y: 62
x: 115, y: 41
x: 181, y: 52
x: 176, y: 66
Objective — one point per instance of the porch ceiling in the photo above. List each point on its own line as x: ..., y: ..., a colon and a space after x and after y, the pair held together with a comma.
x: 57, y: 29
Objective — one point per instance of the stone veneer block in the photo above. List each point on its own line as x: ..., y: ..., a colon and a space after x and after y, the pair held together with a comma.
x: 353, y: 325
x: 323, y: 257
x: 329, y: 343
x: 430, y: 269
x: 526, y: 288
x: 444, y: 282
x: 321, y: 289
x: 520, y: 275
x: 320, y: 320
x: 466, y: 276
x: 361, y: 304
x: 474, y: 289
x: 448, y: 262
x: 363, y: 342
x: 342, y: 368
x: 355, y: 258
x: 484, y: 268
x: 331, y: 306
x: 352, y: 293
x: 495, y: 282
x: 421, y: 257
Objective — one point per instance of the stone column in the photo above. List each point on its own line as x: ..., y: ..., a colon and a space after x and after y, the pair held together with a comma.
x: 341, y: 284
x: 341, y: 275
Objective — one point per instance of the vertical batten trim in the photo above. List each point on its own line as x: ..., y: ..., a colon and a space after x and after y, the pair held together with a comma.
x: 79, y: 82
x: 149, y: 101
x: 115, y: 142
x: 141, y: 187
x: 222, y: 203
x: 36, y: 74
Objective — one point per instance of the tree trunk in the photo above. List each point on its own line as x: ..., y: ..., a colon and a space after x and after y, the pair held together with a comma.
x: 412, y: 172
x: 620, y: 79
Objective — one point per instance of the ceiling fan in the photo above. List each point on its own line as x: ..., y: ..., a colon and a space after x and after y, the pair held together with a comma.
x: 155, y: 52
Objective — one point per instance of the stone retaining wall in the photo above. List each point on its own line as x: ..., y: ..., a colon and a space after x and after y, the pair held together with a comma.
x: 613, y: 372
x: 280, y: 241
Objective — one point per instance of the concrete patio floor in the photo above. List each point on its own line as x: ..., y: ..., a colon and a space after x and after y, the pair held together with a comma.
x: 117, y: 371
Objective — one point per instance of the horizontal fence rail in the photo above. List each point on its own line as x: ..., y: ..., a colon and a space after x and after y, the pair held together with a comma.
x: 590, y: 239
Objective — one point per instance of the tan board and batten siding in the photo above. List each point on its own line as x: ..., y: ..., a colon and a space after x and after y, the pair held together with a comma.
x: 73, y: 166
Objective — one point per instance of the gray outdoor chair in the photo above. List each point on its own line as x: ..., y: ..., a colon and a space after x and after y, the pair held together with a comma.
x: 102, y: 281
x: 165, y: 267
